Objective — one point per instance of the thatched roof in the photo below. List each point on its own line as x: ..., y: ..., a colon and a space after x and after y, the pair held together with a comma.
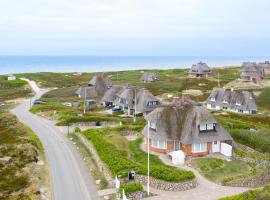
x: 265, y: 65
x: 86, y: 92
x: 200, y: 68
x: 101, y: 82
x: 244, y: 98
x: 148, y: 77
x: 182, y: 124
x: 110, y: 95
x: 249, y: 67
x: 143, y: 97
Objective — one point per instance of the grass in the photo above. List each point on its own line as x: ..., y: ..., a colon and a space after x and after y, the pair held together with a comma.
x: 218, y: 170
x: 129, y: 156
x: 239, y: 126
x: 23, y: 147
x: 130, y: 188
x: 90, y: 162
x: 263, y: 100
x: 259, y: 194
x: 13, y: 89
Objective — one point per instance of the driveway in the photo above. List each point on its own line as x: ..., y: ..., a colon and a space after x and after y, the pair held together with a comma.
x: 70, y: 178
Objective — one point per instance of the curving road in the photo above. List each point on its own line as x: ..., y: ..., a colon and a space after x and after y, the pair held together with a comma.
x: 70, y: 178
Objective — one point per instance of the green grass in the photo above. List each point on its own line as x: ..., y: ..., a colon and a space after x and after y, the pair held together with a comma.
x: 130, y: 188
x: 218, y: 170
x: 259, y: 194
x: 263, y: 100
x: 90, y: 162
x: 23, y: 146
x: 239, y: 127
x: 129, y: 156
x: 13, y: 89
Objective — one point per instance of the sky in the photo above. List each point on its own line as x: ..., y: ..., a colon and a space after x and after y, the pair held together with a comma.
x: 135, y: 27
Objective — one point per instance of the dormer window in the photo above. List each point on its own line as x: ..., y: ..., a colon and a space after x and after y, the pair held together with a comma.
x: 213, y: 99
x: 152, y: 103
x: 207, y: 127
x: 152, y: 125
x: 225, y: 101
x: 238, y: 104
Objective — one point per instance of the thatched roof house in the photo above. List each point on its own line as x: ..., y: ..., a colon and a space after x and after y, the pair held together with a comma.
x: 231, y: 100
x: 111, y: 94
x: 148, y: 78
x: 250, y: 71
x: 136, y: 100
x: 98, y: 85
x: 266, y: 67
x: 86, y: 92
x: 101, y: 82
x: 200, y: 70
x: 188, y: 127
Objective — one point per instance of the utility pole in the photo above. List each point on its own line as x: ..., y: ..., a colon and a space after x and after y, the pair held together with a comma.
x: 84, y: 100
x: 135, y: 106
x: 148, y: 159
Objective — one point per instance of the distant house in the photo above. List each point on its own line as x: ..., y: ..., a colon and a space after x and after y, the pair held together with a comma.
x: 111, y: 94
x: 250, y: 71
x: 189, y: 128
x: 10, y: 78
x: 137, y: 101
x: 266, y: 66
x: 98, y: 85
x: 148, y: 78
x: 232, y: 101
x: 200, y: 70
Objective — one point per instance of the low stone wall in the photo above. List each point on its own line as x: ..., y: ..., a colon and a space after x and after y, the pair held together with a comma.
x: 252, y: 182
x: 164, y: 185
x: 103, y: 168
x: 137, y: 195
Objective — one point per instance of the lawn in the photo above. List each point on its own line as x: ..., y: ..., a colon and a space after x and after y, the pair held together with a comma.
x: 13, y: 89
x: 122, y: 156
x: 218, y: 170
x: 259, y: 194
x: 263, y: 100
x: 21, y: 177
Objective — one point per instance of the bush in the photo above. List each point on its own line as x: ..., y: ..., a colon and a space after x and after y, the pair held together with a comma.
x: 77, y: 129
x: 130, y: 188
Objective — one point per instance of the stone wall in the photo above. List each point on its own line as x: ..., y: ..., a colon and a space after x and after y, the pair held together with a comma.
x: 253, y: 182
x: 103, y: 168
x: 137, y: 195
x: 164, y: 185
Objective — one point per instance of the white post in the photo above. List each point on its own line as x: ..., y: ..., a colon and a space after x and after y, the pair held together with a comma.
x: 84, y: 100
x: 148, y: 159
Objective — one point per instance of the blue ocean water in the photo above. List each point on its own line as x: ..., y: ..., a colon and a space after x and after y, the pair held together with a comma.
x: 21, y: 64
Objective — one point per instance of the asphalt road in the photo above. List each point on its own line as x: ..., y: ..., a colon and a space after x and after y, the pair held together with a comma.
x: 69, y: 176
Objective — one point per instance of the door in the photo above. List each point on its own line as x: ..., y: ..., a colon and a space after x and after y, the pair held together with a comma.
x: 176, y: 145
x: 215, y: 146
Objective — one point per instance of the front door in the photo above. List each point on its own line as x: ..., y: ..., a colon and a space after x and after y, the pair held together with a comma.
x: 176, y: 145
x: 215, y: 146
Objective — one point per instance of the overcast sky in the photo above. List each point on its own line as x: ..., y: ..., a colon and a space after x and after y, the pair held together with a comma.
x: 135, y: 27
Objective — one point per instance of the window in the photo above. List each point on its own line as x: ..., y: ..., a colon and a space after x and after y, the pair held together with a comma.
x: 212, y: 99
x: 150, y: 103
x: 225, y: 101
x: 161, y: 144
x: 210, y: 127
x: 203, y: 127
x: 153, y: 125
x: 238, y: 104
x: 201, y: 147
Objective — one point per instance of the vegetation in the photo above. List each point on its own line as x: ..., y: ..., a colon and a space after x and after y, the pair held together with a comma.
x: 90, y: 161
x: 21, y: 148
x: 130, y: 188
x: 249, y: 130
x: 125, y: 156
x: 13, y: 89
x: 259, y: 194
x: 218, y: 170
x: 263, y: 99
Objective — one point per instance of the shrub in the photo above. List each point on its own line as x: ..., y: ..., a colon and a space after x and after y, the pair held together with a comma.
x: 130, y: 188
x: 77, y: 129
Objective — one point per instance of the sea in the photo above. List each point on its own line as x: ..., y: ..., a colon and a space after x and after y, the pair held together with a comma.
x: 30, y: 64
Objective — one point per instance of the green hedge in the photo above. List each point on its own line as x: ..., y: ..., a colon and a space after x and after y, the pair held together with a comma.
x: 119, y: 163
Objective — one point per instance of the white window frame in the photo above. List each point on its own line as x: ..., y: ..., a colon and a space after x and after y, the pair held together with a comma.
x: 238, y: 104
x: 213, y: 99
x: 158, y: 145
x: 203, y: 126
x: 199, y: 148
x: 152, y: 125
